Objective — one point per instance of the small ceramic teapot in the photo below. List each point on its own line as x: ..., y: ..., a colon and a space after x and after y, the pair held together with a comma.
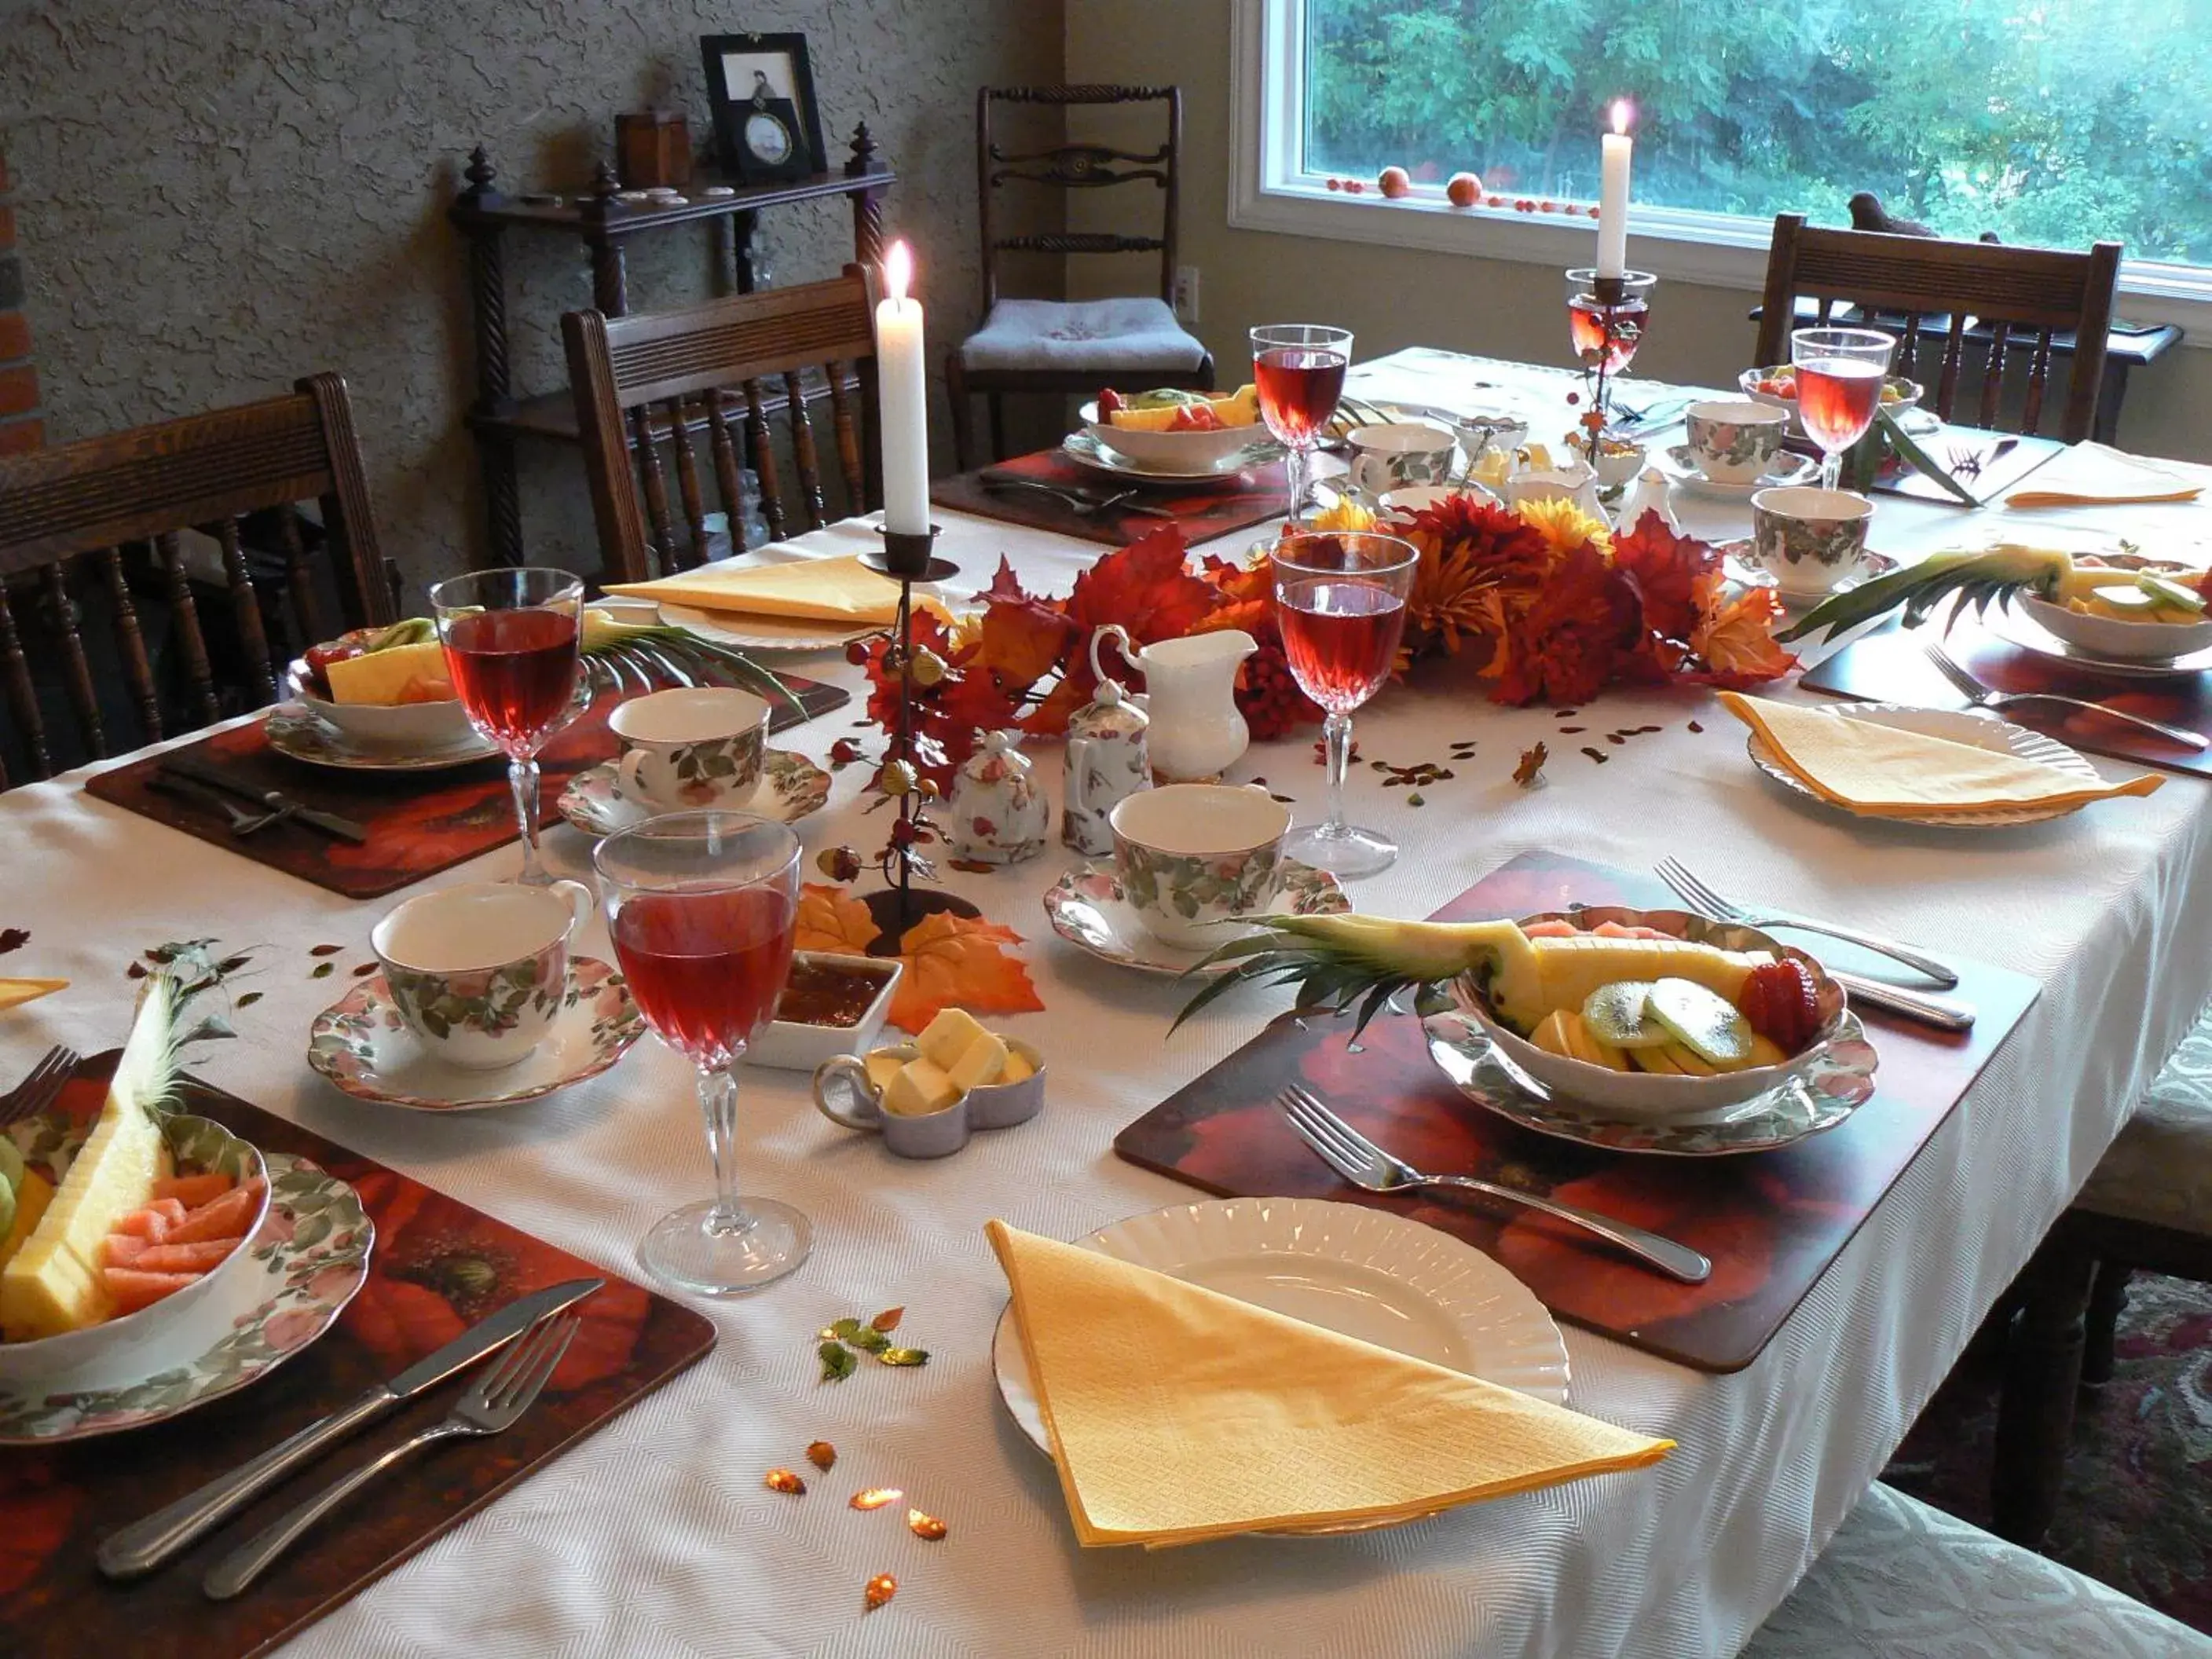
x: 1105, y: 763
x: 997, y: 814
x: 1190, y: 695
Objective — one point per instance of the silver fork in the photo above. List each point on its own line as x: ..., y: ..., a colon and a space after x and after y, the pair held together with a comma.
x: 1366, y: 1165
x: 1983, y: 697
x: 1676, y: 875
x: 1084, y: 506
x: 41, y: 1086
x: 244, y: 821
x: 504, y: 1392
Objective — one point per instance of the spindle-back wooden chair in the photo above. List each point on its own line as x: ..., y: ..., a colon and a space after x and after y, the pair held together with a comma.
x: 96, y: 523
x: 655, y: 381
x: 1939, y: 289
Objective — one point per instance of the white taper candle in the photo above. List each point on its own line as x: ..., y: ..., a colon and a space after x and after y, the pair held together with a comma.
x: 1612, y: 194
x: 903, y: 391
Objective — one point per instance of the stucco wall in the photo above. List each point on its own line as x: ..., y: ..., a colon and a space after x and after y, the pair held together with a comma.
x: 218, y: 196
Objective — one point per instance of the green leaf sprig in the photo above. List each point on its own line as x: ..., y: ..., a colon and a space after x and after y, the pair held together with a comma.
x: 843, y: 1341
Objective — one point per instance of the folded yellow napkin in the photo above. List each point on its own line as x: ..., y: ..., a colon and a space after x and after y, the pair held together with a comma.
x: 2097, y: 475
x: 1177, y: 1414
x: 14, y: 992
x: 1879, y: 771
x: 816, y: 590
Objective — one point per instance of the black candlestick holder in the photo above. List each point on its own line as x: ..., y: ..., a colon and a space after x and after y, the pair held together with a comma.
x: 907, y: 557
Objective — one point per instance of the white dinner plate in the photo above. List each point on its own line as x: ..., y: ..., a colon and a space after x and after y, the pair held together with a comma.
x: 1087, y: 452
x: 2016, y: 627
x: 1361, y: 1273
x: 1981, y: 731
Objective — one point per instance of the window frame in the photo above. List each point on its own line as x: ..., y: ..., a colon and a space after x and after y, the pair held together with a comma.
x: 1268, y: 192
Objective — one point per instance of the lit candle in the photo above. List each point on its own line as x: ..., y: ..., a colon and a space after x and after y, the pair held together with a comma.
x: 1613, y: 196
x: 904, y: 393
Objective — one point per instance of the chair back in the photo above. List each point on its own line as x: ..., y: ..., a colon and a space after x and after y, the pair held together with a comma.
x: 1939, y: 289
x: 1078, y: 165
x: 655, y: 381
x: 95, y: 525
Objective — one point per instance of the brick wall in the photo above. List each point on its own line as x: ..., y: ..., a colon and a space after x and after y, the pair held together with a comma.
x: 21, y: 427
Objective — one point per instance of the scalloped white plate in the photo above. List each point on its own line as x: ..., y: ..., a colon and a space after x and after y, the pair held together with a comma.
x: 1980, y: 731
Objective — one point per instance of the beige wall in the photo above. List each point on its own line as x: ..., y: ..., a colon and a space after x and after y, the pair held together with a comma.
x: 1393, y: 297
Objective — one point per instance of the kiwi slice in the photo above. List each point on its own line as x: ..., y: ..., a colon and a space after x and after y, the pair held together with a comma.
x: 1707, y: 1023
x: 1616, y: 1014
x: 6, y: 1209
x: 2170, y: 594
x: 2126, y: 601
x: 11, y: 1166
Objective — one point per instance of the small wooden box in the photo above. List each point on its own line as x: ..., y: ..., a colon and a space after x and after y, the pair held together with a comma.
x: 652, y: 148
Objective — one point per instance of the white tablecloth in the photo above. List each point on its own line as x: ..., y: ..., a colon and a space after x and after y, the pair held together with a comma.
x: 655, y: 1536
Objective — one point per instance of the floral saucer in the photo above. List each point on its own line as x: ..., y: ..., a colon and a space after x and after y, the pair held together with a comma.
x: 1087, y: 452
x: 1743, y: 569
x: 1838, y: 1085
x: 1681, y: 466
x: 294, y: 732
x: 308, y: 1258
x: 790, y: 787
x: 1088, y: 910
x: 362, y: 1046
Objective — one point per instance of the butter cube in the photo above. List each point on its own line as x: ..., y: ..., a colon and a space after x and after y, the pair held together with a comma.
x: 883, y: 1066
x: 1017, y: 1067
x: 948, y: 1037
x: 984, y: 1063
x: 920, y: 1089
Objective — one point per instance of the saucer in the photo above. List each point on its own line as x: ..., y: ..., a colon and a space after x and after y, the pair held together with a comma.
x: 790, y: 787
x: 1680, y: 466
x: 362, y: 1046
x: 294, y: 732
x: 1741, y: 571
x: 1087, y: 452
x: 2016, y: 629
x: 1838, y: 1085
x: 307, y: 1258
x: 1088, y: 910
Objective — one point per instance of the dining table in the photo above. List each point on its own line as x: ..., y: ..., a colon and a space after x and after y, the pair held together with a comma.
x: 656, y: 1535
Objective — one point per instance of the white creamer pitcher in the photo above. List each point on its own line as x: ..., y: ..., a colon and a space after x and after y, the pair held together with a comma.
x: 1190, y: 694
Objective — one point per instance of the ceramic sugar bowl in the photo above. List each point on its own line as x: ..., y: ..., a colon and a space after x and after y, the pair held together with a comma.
x: 997, y: 814
x: 1106, y: 763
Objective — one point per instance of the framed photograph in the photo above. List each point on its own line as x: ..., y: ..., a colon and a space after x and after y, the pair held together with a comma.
x: 766, y: 122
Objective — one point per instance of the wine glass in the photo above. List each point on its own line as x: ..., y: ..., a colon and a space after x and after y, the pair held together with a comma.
x: 1840, y: 373
x: 702, y: 907
x: 512, y: 638
x: 1340, y: 602
x: 1298, y: 370
x: 1606, y: 320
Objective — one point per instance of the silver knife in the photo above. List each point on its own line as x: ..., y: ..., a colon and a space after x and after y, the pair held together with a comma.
x: 140, y: 1547
x: 1943, y: 1015
x: 188, y: 766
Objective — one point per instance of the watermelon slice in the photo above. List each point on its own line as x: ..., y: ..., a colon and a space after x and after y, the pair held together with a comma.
x: 185, y: 1258
x: 130, y: 1290
x: 192, y: 1191
x: 225, y: 1217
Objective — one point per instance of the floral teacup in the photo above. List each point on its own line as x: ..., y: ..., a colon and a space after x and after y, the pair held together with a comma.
x: 1192, y: 855
x: 698, y: 745
x: 480, y: 972
x: 1399, y: 455
x: 1809, y: 539
x: 1735, y: 443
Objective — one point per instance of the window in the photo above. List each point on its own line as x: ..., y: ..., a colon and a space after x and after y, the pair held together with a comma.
x: 2056, y: 122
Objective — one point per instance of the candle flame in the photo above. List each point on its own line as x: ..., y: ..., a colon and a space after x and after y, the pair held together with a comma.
x: 1622, y: 109
x: 898, y: 270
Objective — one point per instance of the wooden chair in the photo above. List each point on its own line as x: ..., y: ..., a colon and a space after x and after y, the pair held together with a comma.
x: 95, y: 525
x: 654, y: 381
x: 1064, y: 346
x: 1930, y: 291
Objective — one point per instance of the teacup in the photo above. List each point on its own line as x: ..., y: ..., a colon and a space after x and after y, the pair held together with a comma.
x: 1399, y: 455
x: 480, y: 972
x: 1190, y: 855
x: 699, y: 745
x: 1735, y: 442
x: 1809, y: 539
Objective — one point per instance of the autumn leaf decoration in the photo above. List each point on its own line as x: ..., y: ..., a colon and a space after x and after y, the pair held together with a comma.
x: 950, y: 960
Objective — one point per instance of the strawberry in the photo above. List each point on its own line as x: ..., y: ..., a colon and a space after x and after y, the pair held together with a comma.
x: 1196, y: 417
x: 1108, y: 401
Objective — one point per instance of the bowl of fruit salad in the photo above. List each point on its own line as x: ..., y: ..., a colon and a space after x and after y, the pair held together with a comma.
x: 1778, y: 385
x: 1172, y: 430
x: 384, y: 687
x: 1657, y: 1015
x: 2152, y: 610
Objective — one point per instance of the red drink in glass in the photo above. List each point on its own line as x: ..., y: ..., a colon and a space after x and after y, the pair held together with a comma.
x: 1836, y: 398
x: 1617, y: 340
x: 1298, y: 389
x: 707, y: 967
x: 1341, y: 639
x: 513, y: 670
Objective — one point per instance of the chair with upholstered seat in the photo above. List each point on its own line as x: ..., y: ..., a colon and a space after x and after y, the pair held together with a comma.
x: 1078, y: 345
x: 1931, y: 292
x: 110, y: 546
x: 656, y: 380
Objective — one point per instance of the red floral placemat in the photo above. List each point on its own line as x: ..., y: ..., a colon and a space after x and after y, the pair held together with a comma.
x: 418, y: 823
x: 1771, y: 1222
x: 438, y: 1267
x: 1202, y: 512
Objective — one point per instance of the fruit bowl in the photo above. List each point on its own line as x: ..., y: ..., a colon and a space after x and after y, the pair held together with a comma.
x: 1898, y: 393
x: 1642, y: 1096
x: 2122, y: 638
x: 199, y: 1146
x: 1173, y: 452
x: 414, y: 728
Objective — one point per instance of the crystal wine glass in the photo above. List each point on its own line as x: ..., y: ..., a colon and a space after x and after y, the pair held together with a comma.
x: 1299, y: 369
x: 1341, y: 601
x: 512, y: 639
x: 1840, y: 373
x: 702, y: 907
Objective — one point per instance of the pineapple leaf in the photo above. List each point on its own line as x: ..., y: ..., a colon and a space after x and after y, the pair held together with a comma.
x: 1918, y: 458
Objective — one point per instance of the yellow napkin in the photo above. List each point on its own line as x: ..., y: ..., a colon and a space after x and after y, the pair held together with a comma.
x: 2097, y: 475
x: 14, y: 992
x: 1880, y: 772
x: 1177, y: 1414
x: 816, y: 590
